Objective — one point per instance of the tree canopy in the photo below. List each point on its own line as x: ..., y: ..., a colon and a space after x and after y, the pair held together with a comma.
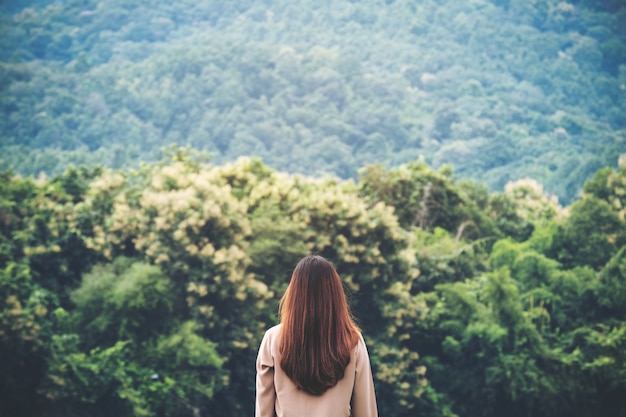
x: 318, y: 88
x: 164, y: 165
x: 146, y: 292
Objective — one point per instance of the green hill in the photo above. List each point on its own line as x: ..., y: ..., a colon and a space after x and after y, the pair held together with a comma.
x: 499, y: 89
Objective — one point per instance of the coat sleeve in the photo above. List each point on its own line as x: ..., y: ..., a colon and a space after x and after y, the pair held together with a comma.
x: 363, y: 395
x: 265, y: 391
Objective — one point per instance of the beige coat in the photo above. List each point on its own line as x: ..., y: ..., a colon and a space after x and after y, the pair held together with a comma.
x: 277, y: 395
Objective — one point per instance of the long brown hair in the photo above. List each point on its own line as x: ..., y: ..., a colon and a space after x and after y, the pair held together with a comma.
x: 318, y: 332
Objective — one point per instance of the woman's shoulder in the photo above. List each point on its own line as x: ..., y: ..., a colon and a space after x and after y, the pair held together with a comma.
x: 273, y: 331
x: 360, y: 347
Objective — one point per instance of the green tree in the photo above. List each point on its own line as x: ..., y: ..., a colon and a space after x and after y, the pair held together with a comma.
x: 128, y: 348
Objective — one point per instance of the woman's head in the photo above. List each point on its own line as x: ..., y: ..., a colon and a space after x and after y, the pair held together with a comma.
x: 315, y: 293
x: 318, y: 332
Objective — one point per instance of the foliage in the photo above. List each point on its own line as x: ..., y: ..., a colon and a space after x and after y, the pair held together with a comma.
x: 146, y: 292
x: 318, y: 90
x: 124, y: 350
x: 595, y: 229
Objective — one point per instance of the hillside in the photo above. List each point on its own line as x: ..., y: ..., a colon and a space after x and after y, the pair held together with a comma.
x: 146, y: 293
x: 501, y: 89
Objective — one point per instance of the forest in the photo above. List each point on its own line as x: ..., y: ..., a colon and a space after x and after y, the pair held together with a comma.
x: 146, y: 292
x: 501, y: 89
x: 164, y: 166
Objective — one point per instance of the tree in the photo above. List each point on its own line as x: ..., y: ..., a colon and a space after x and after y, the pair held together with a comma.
x: 127, y: 348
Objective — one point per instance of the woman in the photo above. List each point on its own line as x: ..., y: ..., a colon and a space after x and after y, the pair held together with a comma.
x: 315, y: 363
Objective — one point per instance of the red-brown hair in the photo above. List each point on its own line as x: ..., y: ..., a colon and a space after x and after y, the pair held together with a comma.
x: 318, y: 332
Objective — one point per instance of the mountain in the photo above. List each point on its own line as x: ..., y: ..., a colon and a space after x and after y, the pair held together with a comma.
x: 500, y: 90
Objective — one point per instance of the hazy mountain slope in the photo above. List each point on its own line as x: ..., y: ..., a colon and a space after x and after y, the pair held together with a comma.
x: 500, y: 90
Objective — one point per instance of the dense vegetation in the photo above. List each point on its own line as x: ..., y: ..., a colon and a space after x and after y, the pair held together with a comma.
x: 501, y: 89
x: 146, y: 292
x: 143, y: 289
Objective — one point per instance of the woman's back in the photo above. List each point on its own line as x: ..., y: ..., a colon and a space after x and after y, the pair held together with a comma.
x: 278, y: 395
x: 315, y: 363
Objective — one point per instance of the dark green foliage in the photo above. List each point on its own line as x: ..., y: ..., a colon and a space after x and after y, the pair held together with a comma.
x: 145, y: 290
x: 586, y: 238
x: 420, y: 195
x: 123, y: 301
x: 24, y: 339
x: 612, y: 291
x: 133, y: 354
x: 489, y: 304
